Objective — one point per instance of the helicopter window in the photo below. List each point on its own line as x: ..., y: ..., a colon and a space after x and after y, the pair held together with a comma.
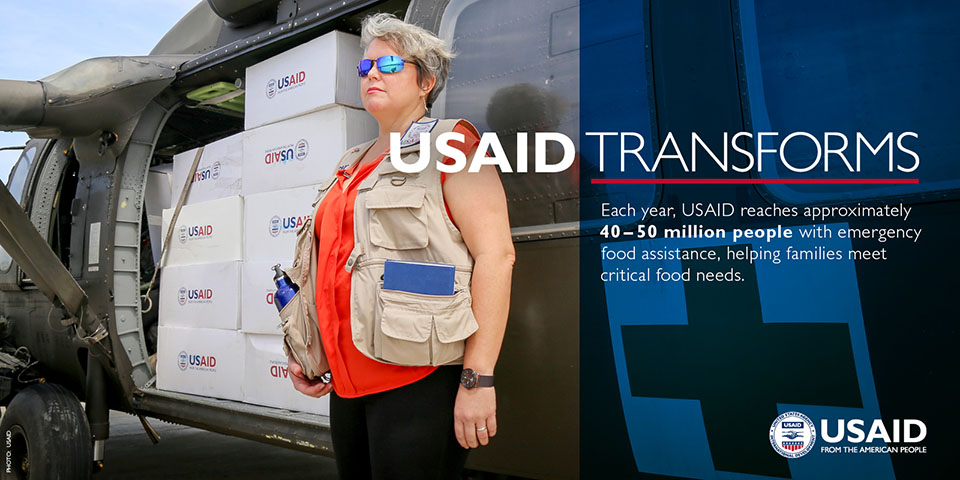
x: 536, y: 88
x: 18, y: 176
x: 63, y: 217
x: 891, y: 70
x: 15, y: 184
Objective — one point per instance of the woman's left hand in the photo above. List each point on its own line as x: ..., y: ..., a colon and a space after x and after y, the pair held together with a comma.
x: 475, y: 416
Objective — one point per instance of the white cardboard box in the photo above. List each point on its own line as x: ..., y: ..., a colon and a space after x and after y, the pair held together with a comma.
x: 157, y: 198
x: 205, y: 295
x: 206, y: 232
x: 306, y: 78
x: 201, y: 361
x: 267, y: 382
x: 303, y: 150
x: 271, y: 220
x: 258, y: 312
x: 218, y: 172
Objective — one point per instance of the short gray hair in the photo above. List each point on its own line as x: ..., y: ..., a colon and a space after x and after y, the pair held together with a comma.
x: 430, y: 54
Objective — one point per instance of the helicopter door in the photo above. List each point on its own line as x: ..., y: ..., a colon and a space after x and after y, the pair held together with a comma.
x: 17, y: 184
x: 45, y: 182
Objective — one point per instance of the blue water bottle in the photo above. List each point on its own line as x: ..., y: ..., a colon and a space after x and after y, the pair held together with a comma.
x: 286, y: 289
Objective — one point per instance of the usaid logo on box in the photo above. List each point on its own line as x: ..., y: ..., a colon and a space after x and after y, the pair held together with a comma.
x: 218, y: 173
x: 195, y: 232
x: 186, y: 361
x: 266, y: 378
x: 207, y: 173
x: 285, y: 84
x: 272, y: 220
x: 285, y: 155
x: 303, y: 79
x: 301, y: 149
x: 194, y: 295
x: 285, y: 225
x: 278, y: 369
x: 209, y: 361
x: 282, y: 154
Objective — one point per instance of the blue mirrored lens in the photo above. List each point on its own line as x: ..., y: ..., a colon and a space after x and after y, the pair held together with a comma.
x: 390, y: 64
x: 364, y: 67
x: 385, y: 64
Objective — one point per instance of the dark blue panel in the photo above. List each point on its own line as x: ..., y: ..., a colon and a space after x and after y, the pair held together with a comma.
x: 869, y: 66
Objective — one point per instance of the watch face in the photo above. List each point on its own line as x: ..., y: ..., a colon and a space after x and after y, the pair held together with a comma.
x: 468, y: 378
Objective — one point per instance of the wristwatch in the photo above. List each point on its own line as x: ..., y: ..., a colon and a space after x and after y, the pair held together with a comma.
x: 470, y: 379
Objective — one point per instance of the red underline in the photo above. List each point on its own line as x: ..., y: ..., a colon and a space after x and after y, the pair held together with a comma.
x: 756, y: 181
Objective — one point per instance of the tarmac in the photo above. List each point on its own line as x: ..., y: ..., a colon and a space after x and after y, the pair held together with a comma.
x: 193, y: 454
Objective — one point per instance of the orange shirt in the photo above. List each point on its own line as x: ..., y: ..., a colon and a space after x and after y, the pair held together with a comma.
x: 354, y: 374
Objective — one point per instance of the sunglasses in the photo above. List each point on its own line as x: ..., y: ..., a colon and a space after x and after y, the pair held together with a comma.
x: 385, y: 64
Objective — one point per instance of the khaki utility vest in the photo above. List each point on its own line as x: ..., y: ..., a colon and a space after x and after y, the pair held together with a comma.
x: 401, y: 216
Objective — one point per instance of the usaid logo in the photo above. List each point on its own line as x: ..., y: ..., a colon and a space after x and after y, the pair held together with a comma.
x: 792, y: 435
x: 208, y: 173
x: 277, y: 370
x: 291, y: 224
x: 285, y: 153
x: 275, y: 226
x: 301, y: 149
x: 286, y: 83
x: 195, y: 232
x: 194, y: 295
x: 278, y: 155
x: 196, y: 362
x: 271, y: 88
x: 855, y: 430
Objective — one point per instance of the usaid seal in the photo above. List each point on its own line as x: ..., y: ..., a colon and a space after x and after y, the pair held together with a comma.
x: 215, y: 170
x: 301, y: 150
x: 274, y: 226
x: 183, y: 234
x: 271, y: 88
x: 182, y: 296
x: 792, y: 435
x: 182, y: 360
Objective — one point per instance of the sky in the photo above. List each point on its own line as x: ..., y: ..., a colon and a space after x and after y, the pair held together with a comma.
x: 41, y: 38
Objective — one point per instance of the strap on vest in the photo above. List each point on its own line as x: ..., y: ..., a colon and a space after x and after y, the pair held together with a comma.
x: 352, y: 259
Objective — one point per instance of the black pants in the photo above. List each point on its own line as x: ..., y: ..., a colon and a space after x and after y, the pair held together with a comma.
x: 404, y: 433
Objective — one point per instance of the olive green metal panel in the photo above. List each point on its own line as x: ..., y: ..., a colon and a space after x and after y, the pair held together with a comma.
x: 538, y: 372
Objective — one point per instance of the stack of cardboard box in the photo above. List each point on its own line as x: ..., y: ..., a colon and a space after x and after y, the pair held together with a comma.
x: 251, y: 193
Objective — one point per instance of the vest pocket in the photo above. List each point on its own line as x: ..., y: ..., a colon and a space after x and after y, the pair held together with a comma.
x: 452, y: 328
x: 415, y: 329
x: 397, y: 217
x: 289, y: 329
x: 301, y: 338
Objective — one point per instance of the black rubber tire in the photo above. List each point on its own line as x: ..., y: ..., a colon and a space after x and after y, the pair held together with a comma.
x: 45, y: 436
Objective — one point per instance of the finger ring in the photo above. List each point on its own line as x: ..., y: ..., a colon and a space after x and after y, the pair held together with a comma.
x: 480, y: 429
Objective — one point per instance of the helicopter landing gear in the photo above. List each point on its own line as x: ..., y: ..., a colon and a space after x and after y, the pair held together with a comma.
x: 46, y: 435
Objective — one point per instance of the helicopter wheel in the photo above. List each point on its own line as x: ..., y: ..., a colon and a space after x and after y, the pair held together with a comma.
x: 46, y: 435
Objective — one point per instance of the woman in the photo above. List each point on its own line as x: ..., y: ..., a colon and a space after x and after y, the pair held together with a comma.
x: 388, y: 419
